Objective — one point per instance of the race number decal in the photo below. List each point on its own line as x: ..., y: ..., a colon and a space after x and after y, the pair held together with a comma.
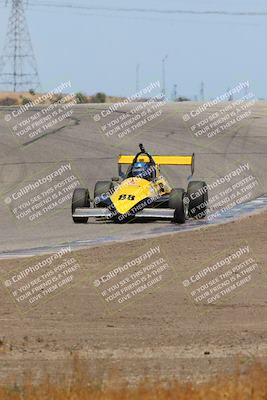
x: 126, y: 197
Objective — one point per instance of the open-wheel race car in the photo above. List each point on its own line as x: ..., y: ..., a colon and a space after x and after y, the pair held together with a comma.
x: 142, y: 192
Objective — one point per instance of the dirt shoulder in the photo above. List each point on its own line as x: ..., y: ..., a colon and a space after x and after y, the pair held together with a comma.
x: 159, y: 327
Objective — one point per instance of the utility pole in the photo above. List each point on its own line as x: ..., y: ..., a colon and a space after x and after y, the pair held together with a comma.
x: 137, y: 77
x: 230, y: 97
x: 18, y: 67
x: 164, y: 75
x: 175, y: 91
x: 202, y: 93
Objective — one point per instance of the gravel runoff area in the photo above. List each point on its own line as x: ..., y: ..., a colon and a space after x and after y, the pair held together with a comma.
x: 162, y: 328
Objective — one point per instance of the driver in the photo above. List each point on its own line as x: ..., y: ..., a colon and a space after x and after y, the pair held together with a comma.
x: 142, y: 170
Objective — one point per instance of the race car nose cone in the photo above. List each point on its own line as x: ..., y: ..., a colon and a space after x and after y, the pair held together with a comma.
x: 131, y: 192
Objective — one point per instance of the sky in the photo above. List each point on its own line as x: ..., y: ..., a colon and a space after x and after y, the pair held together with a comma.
x: 98, y: 50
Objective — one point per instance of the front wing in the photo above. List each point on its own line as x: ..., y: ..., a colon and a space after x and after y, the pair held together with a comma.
x: 166, y: 213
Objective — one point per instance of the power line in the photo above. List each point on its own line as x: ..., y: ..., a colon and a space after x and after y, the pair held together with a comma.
x: 148, y: 10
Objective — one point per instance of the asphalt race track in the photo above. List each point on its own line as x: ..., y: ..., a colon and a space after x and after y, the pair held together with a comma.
x: 92, y: 149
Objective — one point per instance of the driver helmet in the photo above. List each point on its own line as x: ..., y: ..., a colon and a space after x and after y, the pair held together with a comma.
x: 142, y: 170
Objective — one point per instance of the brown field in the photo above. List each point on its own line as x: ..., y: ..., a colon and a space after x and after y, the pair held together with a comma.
x: 237, y: 386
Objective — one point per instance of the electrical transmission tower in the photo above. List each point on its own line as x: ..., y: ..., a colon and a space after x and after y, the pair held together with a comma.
x: 18, y: 67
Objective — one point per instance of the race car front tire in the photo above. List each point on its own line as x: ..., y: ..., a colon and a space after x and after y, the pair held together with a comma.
x: 198, y: 199
x: 80, y: 199
x: 177, y: 201
x: 102, y: 188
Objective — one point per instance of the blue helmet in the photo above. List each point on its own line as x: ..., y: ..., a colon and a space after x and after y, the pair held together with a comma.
x: 142, y: 170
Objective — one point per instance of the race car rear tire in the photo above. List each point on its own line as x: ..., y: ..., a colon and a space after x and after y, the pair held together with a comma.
x: 177, y: 202
x: 102, y: 188
x: 198, y: 199
x: 80, y: 199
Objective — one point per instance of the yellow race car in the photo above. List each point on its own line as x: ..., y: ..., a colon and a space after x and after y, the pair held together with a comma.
x: 142, y: 192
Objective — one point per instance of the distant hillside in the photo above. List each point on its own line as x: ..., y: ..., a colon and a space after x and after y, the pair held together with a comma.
x: 21, y: 98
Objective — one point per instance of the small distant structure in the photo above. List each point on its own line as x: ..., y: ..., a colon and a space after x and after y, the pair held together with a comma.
x: 230, y: 97
x: 202, y: 93
x: 174, y: 93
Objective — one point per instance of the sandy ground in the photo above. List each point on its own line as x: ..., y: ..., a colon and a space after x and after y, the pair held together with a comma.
x: 160, y: 331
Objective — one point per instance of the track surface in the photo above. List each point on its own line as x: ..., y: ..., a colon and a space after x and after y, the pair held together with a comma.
x: 237, y: 212
x: 93, y: 155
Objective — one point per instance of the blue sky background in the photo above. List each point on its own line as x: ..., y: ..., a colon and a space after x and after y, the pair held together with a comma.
x: 98, y: 50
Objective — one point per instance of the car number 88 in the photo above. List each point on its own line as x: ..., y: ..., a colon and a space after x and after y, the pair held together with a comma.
x: 126, y: 197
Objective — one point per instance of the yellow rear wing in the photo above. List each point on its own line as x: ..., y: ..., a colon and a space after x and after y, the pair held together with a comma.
x: 160, y: 160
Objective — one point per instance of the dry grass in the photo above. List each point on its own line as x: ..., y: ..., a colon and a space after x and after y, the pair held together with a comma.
x: 16, y: 97
x: 249, y: 386
x: 11, y: 98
